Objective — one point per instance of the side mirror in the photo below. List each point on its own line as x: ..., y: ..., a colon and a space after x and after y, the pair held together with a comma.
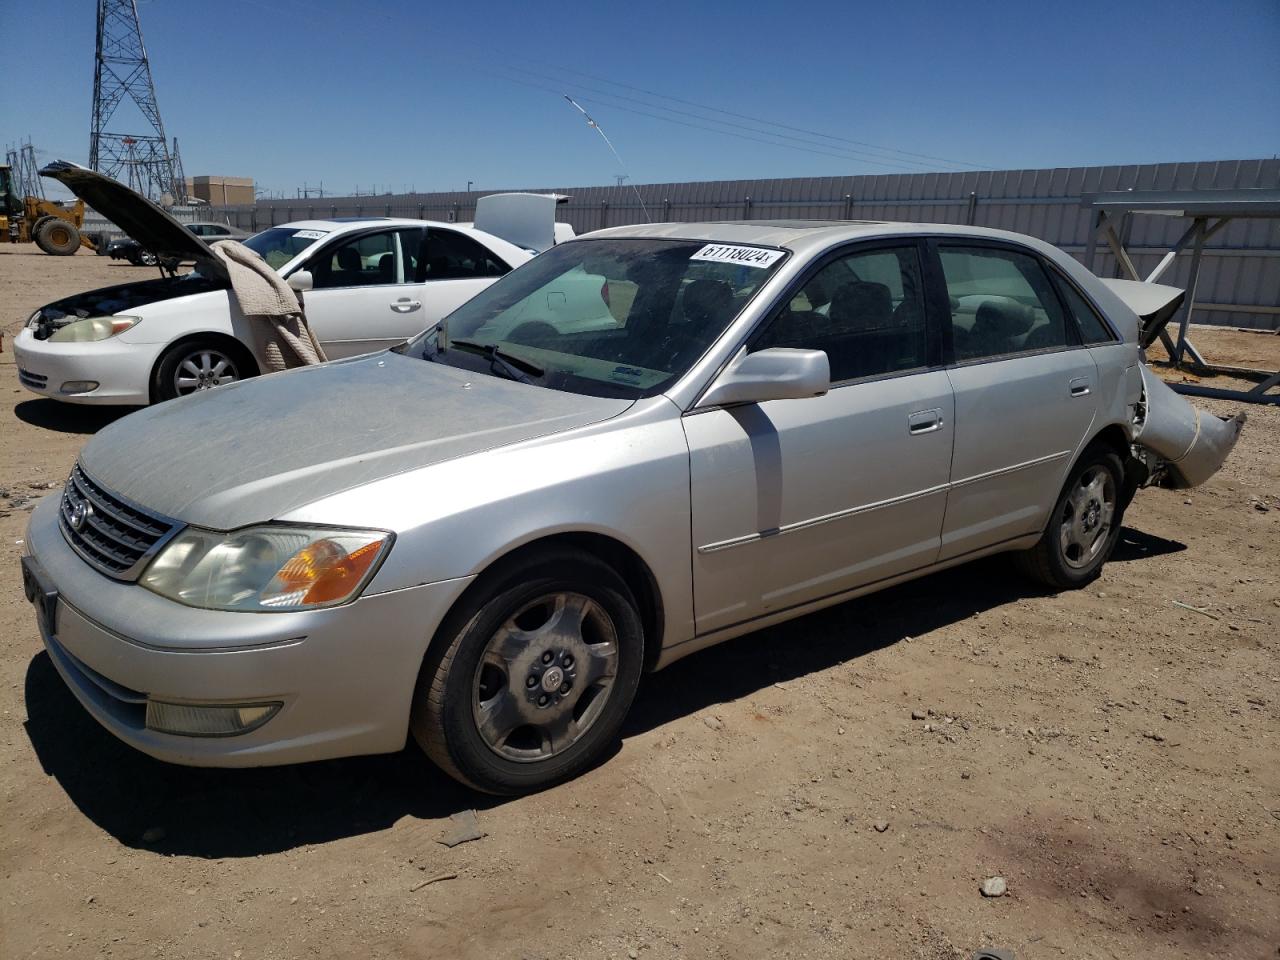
x: 778, y: 373
x: 301, y: 280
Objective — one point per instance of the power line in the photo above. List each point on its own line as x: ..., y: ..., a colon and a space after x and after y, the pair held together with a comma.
x: 729, y: 113
x: 728, y: 133
x: 596, y: 127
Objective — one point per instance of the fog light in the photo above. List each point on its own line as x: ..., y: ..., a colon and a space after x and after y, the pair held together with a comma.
x: 190, y: 720
x: 79, y: 386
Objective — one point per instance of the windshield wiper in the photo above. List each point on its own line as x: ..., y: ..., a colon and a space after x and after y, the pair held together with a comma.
x: 517, y: 368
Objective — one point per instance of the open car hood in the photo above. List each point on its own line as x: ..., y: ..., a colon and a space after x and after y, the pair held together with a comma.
x: 137, y: 216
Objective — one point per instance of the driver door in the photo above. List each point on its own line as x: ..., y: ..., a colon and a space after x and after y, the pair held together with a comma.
x: 362, y: 299
x: 797, y: 500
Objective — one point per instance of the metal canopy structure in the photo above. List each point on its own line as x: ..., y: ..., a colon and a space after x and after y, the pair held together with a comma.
x: 1209, y: 211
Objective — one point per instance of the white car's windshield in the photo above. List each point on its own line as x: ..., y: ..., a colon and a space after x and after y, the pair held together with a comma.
x: 279, y: 245
x: 604, y: 317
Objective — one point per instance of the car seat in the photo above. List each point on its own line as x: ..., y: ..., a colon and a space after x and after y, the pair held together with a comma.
x: 861, y: 305
x: 387, y: 268
x: 996, y: 325
x: 861, y: 314
x: 707, y: 302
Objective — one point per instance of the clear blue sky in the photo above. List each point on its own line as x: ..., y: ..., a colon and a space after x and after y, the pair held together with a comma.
x: 431, y: 94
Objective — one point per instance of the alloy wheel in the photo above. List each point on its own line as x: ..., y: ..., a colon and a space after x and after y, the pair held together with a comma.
x: 545, y: 677
x: 1087, y: 517
x: 204, y: 369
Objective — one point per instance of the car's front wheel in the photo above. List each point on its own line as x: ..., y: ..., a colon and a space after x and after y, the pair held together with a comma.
x: 531, y: 679
x: 1084, y: 526
x: 199, y: 364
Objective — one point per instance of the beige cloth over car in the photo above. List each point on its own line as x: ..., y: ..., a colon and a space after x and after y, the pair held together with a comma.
x: 282, y: 339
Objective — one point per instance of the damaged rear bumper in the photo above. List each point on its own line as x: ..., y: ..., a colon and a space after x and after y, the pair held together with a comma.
x: 1191, y: 444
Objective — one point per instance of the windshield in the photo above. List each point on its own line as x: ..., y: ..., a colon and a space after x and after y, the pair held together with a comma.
x: 619, y: 318
x: 279, y: 245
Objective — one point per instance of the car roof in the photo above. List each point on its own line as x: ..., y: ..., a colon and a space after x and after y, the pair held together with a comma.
x: 351, y: 223
x: 513, y: 254
x: 800, y: 236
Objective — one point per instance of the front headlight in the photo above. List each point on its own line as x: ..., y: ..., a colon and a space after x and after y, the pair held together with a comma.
x: 93, y: 328
x: 269, y: 568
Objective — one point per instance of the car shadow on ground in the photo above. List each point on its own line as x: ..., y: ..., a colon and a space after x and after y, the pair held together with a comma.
x: 68, y: 417
x: 215, y: 813
x: 1136, y: 545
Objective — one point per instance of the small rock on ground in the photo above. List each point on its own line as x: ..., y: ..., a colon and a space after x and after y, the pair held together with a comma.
x: 994, y: 887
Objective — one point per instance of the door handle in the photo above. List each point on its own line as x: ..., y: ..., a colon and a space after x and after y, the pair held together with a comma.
x: 1080, y: 387
x: 405, y: 305
x: 924, y: 421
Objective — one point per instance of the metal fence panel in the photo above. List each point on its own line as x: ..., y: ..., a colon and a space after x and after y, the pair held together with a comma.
x: 1241, y: 263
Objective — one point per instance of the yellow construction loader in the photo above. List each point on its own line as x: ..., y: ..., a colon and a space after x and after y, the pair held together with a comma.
x: 56, y: 230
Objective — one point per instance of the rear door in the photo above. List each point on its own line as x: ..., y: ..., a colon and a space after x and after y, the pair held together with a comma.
x: 797, y: 500
x: 1025, y: 392
x: 451, y: 267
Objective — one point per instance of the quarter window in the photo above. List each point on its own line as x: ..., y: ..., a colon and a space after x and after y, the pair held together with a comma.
x: 1092, y: 329
x: 1001, y: 303
x: 865, y: 310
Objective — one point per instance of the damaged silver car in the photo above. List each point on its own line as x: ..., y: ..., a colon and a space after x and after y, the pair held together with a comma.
x: 485, y: 536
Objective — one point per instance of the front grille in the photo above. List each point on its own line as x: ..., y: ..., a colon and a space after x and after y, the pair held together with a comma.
x: 113, y: 535
x: 29, y: 379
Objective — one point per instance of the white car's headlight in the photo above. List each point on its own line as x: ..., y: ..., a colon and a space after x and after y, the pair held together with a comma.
x: 269, y: 568
x: 93, y: 328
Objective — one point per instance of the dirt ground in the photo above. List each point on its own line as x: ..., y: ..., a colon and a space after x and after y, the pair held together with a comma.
x: 1111, y: 754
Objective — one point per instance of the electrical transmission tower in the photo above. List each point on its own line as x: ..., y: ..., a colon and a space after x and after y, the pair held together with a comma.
x: 179, y: 176
x: 26, y: 176
x: 142, y: 160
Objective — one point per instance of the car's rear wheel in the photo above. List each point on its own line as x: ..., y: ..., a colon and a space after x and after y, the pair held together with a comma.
x: 530, y: 680
x: 199, y: 364
x: 1084, y: 526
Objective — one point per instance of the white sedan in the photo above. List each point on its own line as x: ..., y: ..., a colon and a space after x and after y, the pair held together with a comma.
x: 370, y: 282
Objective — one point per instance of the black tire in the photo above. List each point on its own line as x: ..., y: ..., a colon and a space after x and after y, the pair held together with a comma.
x: 40, y: 222
x: 456, y: 678
x: 58, y: 237
x: 145, y: 258
x: 1061, y: 560
x: 163, y: 380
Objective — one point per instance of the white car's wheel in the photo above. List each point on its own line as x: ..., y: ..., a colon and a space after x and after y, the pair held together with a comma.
x: 199, y: 364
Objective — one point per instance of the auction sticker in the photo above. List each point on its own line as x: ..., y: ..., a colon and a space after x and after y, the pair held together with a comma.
x: 745, y: 256
x: 311, y: 234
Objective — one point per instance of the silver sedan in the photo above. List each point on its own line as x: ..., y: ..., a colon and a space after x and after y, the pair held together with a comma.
x: 485, y: 536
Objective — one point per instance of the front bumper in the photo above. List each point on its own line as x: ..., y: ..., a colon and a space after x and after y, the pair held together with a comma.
x: 122, y: 370
x: 345, y: 674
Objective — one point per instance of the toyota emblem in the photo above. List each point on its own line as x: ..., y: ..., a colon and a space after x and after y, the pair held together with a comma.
x: 79, y: 514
